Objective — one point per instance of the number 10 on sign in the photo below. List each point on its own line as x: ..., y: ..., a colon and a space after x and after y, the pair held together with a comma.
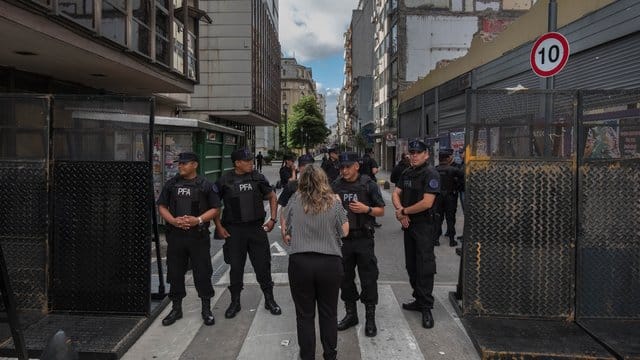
x: 549, y: 54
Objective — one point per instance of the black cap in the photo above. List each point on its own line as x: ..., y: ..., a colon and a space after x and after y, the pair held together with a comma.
x: 446, y: 152
x: 288, y: 157
x: 305, y: 159
x: 417, y: 145
x: 332, y: 148
x: 186, y: 157
x: 348, y: 158
x: 241, y: 154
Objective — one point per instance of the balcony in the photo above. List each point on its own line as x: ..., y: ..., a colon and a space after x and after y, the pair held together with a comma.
x: 140, y: 47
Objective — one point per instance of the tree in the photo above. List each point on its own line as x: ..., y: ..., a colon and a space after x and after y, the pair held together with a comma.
x: 307, y: 127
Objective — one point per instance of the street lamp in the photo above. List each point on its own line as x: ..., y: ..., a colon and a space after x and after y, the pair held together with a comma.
x: 285, y: 107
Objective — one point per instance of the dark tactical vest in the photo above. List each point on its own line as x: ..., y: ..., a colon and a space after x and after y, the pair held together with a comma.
x: 448, y: 179
x: 413, y: 185
x: 242, y: 198
x: 188, y: 197
x: 355, y: 191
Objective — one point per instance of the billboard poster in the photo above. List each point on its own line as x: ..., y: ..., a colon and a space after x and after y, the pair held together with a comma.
x: 630, y: 138
x: 602, y: 139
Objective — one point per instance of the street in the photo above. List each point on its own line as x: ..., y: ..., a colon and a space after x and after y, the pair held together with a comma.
x: 255, y: 333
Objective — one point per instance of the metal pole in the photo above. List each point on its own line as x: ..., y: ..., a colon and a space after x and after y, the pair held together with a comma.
x: 154, y: 217
x: 286, y: 133
x: 549, y: 82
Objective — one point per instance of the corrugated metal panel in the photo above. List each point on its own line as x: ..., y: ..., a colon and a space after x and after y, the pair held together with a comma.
x: 527, y: 79
x: 452, y: 113
x: 612, y: 22
x: 614, y: 65
x: 409, y: 124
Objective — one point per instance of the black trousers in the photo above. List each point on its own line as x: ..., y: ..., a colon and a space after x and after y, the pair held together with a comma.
x: 359, y: 252
x: 315, y: 279
x: 420, y: 261
x: 179, y: 251
x: 247, y: 238
x: 447, y: 211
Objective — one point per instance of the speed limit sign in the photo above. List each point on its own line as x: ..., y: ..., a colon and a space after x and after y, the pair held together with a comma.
x: 549, y: 54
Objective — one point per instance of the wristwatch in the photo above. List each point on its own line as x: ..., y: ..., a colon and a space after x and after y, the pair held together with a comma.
x: 200, y: 220
x: 274, y: 220
x: 369, y: 211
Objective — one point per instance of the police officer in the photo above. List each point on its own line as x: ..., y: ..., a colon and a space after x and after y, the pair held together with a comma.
x: 287, y: 170
x: 414, y: 198
x: 331, y: 166
x: 188, y: 202
x: 361, y: 198
x: 451, y: 179
x: 242, y: 226
x: 369, y: 167
x: 292, y: 185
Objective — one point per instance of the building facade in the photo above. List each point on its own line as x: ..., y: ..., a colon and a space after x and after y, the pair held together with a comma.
x: 358, y: 57
x: 413, y: 37
x: 240, y: 66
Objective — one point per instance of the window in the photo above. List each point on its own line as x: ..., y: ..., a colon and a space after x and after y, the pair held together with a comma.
x: 162, y: 32
x: 80, y: 11
x: 178, y: 46
x: 113, y: 21
x: 141, y: 27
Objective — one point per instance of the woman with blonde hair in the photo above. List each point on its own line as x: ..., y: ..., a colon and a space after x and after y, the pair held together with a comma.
x: 314, y: 224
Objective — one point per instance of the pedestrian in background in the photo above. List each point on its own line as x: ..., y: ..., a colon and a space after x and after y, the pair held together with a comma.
x: 362, y: 200
x: 244, y: 228
x: 188, y: 202
x: 259, y: 160
x: 414, y: 198
x: 314, y: 224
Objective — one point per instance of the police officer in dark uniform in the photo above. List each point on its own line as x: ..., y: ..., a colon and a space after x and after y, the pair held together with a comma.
x: 242, y: 226
x: 287, y: 170
x: 414, y: 198
x: 188, y: 202
x: 361, y: 197
x: 331, y: 166
x: 292, y: 186
x: 450, y: 181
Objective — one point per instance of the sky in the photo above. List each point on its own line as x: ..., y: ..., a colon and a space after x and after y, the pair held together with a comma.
x: 312, y: 32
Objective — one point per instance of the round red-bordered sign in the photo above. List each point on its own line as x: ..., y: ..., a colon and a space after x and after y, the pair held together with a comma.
x: 549, y: 54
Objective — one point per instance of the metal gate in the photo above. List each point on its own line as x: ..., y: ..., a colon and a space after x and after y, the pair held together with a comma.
x: 76, y: 217
x: 552, y: 223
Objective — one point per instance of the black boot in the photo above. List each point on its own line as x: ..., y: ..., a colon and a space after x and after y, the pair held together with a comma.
x: 234, y: 307
x: 370, y: 328
x: 270, y: 303
x: 427, y: 318
x: 350, y: 318
x: 413, y: 306
x: 452, y: 241
x: 174, y: 314
x: 207, y: 315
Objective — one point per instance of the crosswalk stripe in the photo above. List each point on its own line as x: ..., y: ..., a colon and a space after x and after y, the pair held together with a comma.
x: 272, y: 337
x: 395, y: 339
x: 169, y: 342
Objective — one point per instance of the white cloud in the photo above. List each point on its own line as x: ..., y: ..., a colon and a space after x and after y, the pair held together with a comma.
x: 331, y: 96
x: 314, y: 29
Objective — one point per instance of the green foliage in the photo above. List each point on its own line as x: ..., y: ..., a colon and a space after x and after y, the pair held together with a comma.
x: 306, y: 126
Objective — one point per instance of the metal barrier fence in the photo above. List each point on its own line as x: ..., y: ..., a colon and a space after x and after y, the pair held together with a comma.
x: 76, y: 192
x: 553, y: 209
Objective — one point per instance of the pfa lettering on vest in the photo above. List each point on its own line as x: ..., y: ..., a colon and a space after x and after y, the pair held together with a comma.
x: 184, y: 191
x: 245, y: 187
x: 349, y: 197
